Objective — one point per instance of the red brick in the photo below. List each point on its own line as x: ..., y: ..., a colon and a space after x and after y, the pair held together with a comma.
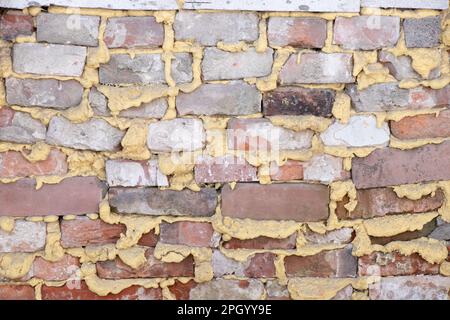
x: 337, y: 263
x: 294, y: 101
x: 15, y: 23
x: 291, y: 170
x: 149, y: 239
x: 194, y: 234
x: 66, y: 268
x: 224, y: 169
x: 264, y: 243
x: 76, y: 195
x: 299, y: 202
x: 297, y: 32
x: 389, y: 166
x: 129, y: 32
x: 261, y: 265
x: 379, y: 202
x: 84, y: 231
x: 366, y: 32
x: 14, y: 164
x: 16, y: 292
x: 6, y: 116
x: 116, y: 269
x: 80, y: 291
x: 422, y: 126
x: 181, y: 290
x: 394, y: 264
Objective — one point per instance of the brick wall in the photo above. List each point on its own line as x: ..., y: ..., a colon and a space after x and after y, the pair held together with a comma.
x: 255, y: 150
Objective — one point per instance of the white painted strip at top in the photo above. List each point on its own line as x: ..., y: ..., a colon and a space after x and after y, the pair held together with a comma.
x: 103, y: 4
x: 406, y: 4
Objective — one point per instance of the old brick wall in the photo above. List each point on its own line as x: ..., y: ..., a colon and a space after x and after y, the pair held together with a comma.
x: 224, y: 149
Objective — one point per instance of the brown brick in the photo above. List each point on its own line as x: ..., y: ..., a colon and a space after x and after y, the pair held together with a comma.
x: 194, y: 234
x: 389, y: 167
x: 63, y: 269
x: 14, y: 23
x: 14, y: 164
x: 298, y: 101
x: 224, y: 169
x: 116, y: 269
x: 80, y: 291
x: 291, y: 170
x: 406, y: 236
x: 181, y: 290
x: 129, y: 32
x: 297, y: 32
x: 379, y: 202
x: 76, y: 195
x: 149, y: 239
x: 299, y: 202
x: 261, y: 265
x: 153, y: 201
x: 84, y: 231
x: 337, y: 264
x: 394, y: 264
x: 263, y: 243
x: 16, y: 292
x: 422, y: 126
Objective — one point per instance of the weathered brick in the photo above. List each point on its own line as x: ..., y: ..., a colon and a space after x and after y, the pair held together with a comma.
x: 264, y: 243
x: 388, y: 96
x: 98, y: 103
x: 366, y: 32
x: 221, y: 289
x: 422, y: 126
x: 260, y: 135
x: 406, y: 4
x: 299, y: 202
x: 149, y: 239
x: 223, y: 65
x: 325, y: 169
x: 297, y: 32
x: 410, y: 288
x: 229, y: 27
x: 80, y: 291
x: 276, y: 291
x: 394, y: 264
x: 84, y: 231
x: 298, y: 101
x: 233, y: 98
x: 422, y: 33
x: 181, y: 67
x: 379, y: 202
x: 127, y: 173
x: 67, y: 29
x: 49, y: 59
x: 15, y: 23
x: 442, y: 232
x: 335, y: 263
x: 75, y: 195
x: 400, y: 67
x: 318, y: 68
x: 176, y: 135
x: 260, y: 265
x: 68, y: 267
x: 339, y: 236
x: 153, y: 201
x: 20, y: 127
x: 223, y: 169
x: 26, y: 236
x: 194, y: 234
x: 154, y: 109
x: 130, y: 32
x: 141, y: 69
x: 117, y: 269
x: 290, y: 170
x: 14, y: 164
x: 94, y: 134
x: 360, y: 131
x: 395, y: 167
x: 16, y: 292
x: 406, y: 236
x: 49, y: 93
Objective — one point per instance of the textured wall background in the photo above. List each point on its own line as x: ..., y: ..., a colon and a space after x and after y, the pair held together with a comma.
x: 242, y: 150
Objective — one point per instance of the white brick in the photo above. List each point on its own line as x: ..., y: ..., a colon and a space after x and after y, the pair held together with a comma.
x: 126, y: 173
x: 26, y: 237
